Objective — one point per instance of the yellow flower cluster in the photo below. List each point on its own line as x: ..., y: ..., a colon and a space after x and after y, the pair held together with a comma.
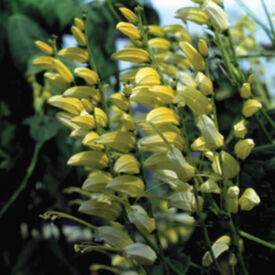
x: 172, y: 79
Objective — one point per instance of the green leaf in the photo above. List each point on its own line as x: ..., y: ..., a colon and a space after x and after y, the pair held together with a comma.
x: 22, y: 33
x: 42, y: 128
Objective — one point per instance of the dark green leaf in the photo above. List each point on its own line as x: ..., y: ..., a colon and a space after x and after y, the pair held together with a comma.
x: 42, y: 128
x: 22, y: 33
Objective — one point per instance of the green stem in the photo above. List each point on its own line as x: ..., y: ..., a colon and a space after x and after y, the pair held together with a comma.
x: 257, y: 240
x: 266, y: 133
x: 269, y: 22
x: 59, y: 214
x: 23, y: 184
x: 268, y: 118
x: 204, y: 229
x: 113, y: 11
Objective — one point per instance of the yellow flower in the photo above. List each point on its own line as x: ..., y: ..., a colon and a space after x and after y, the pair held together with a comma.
x: 139, y: 217
x: 156, y: 30
x: 240, y: 129
x: 127, y: 164
x: 233, y: 199
x: 210, y: 186
x: 113, y: 236
x: 96, y: 182
x: 193, y: 55
x: 101, y: 206
x: 195, y: 15
x: 212, y: 137
x: 199, y: 144
x: 134, y: 55
x: 219, y: 246
x: 230, y: 166
x: 120, y: 101
x: 246, y: 90
x: 203, y: 48
x: 74, y: 53
x: 84, y: 120
x: 100, y: 117
x: 159, y: 43
x: 162, y: 115
x: 89, y: 140
x: 250, y: 107
x: 205, y: 84
x: 69, y: 104
x: 78, y: 35
x: 121, y: 141
x: 44, y: 62
x: 92, y: 159
x: 65, y: 119
x: 249, y: 199
x: 217, y: 15
x: 185, y: 201
x: 147, y: 76
x: 195, y: 100
x: 80, y: 92
x: 63, y: 70
x: 91, y: 77
x: 44, y: 47
x: 141, y: 253
x: 131, y: 185
x: 128, y: 30
x: 243, y: 148
x: 79, y: 23
x: 186, y: 79
x: 56, y: 80
x: 129, y: 15
x: 156, y: 143
x: 79, y: 133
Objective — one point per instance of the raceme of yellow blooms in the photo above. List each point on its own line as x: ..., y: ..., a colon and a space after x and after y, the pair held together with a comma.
x: 172, y: 80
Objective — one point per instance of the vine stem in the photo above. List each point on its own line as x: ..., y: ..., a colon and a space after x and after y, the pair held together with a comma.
x: 256, y: 239
x: 23, y: 184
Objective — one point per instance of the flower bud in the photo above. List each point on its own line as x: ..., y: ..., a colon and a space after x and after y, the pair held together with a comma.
x: 203, y: 48
x: 113, y: 236
x: 159, y: 43
x: 195, y: 15
x: 185, y: 201
x: 162, y: 115
x: 205, y: 84
x: 193, y: 55
x: 134, y: 55
x: 74, y: 53
x: 246, y: 90
x: 156, y: 30
x: 233, y: 199
x: 219, y: 246
x: 141, y: 253
x: 44, y: 47
x: 90, y: 77
x: 130, y: 185
x: 230, y: 166
x: 217, y: 15
x: 129, y: 15
x: 240, y: 129
x: 243, y: 148
x: 120, y: 101
x: 249, y: 199
x: 251, y: 79
x: 212, y: 137
x: 96, y: 182
x: 121, y: 141
x: 79, y: 36
x: 79, y: 23
x: 56, y: 80
x: 127, y: 164
x: 147, y: 76
x: 44, y: 62
x: 250, y: 107
x: 128, y: 30
x: 139, y: 217
x: 63, y: 70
